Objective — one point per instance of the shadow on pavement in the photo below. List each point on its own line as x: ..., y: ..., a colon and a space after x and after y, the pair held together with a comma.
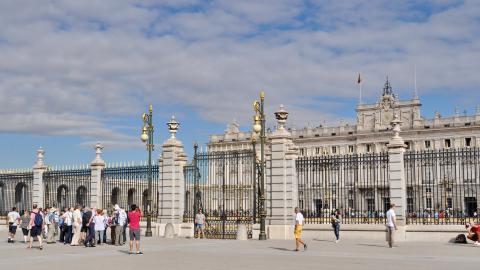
x: 283, y: 249
x: 373, y: 245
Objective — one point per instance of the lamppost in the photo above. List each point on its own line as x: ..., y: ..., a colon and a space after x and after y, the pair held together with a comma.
x: 259, y: 128
x: 147, y: 137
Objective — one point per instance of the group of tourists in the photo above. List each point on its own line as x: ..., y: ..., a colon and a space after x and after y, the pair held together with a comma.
x: 76, y: 226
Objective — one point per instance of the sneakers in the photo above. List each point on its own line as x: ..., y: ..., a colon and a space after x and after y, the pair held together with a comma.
x: 476, y: 243
x: 336, y: 241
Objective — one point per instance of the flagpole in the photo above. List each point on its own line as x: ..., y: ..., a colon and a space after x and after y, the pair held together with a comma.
x: 359, y: 81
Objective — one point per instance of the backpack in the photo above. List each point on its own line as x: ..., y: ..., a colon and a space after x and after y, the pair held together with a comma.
x: 460, y: 239
x: 38, y: 219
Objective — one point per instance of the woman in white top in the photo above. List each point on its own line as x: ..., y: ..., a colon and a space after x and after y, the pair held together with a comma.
x: 99, y: 220
x: 68, y: 222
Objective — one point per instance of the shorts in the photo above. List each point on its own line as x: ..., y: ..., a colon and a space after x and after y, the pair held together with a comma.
x: 298, y: 231
x: 12, y: 228
x: 134, y: 234
x: 25, y: 232
x: 36, y: 231
x: 84, y: 228
x: 200, y: 226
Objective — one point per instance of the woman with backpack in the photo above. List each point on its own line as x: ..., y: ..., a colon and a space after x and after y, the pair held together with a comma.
x: 36, y: 225
x: 336, y: 220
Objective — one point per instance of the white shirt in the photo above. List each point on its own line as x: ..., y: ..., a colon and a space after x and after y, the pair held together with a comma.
x: 99, y: 222
x: 67, y: 216
x: 299, y: 218
x: 13, y: 217
x: 390, y: 217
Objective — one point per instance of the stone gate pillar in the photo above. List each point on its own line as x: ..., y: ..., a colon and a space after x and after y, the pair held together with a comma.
x: 398, y: 195
x: 172, y: 189
x: 282, y: 189
x: 96, y: 166
x: 38, y: 190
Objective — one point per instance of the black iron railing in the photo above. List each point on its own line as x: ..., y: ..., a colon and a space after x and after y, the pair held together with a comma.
x: 356, y: 185
x: 442, y: 186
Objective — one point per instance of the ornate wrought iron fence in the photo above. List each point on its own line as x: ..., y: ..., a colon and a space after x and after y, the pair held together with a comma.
x: 15, y: 190
x: 67, y: 188
x: 222, y: 184
x: 128, y: 185
x: 442, y: 186
x: 356, y: 185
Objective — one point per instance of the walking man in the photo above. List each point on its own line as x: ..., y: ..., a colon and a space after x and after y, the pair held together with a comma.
x: 200, y: 224
x: 298, y: 230
x: 36, y: 225
x: 391, y: 225
x: 134, y: 216
x: 13, y: 221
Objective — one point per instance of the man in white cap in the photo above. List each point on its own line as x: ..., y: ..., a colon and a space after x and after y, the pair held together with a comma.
x: 120, y: 218
x: 50, y: 222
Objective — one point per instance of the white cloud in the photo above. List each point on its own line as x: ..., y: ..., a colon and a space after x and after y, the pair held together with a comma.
x: 67, y: 64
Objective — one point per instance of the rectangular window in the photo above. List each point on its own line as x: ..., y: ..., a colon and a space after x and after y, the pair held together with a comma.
x: 334, y: 149
x: 302, y: 151
x: 369, y: 148
x: 350, y: 203
x: 318, y: 150
x: 428, y: 144
x: 407, y: 145
x: 429, y: 203
x: 448, y: 143
x: 449, y: 203
x: 410, y: 205
x: 350, y: 149
x: 428, y: 190
x: 468, y: 142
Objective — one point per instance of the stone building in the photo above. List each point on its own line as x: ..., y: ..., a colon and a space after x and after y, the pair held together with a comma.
x: 372, y: 130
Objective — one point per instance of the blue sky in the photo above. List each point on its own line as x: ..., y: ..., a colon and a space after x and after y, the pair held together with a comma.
x: 76, y: 72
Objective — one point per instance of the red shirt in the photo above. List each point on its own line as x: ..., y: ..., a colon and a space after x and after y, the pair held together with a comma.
x: 134, y: 218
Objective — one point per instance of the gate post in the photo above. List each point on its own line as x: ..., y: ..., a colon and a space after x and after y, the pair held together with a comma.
x: 38, y: 191
x: 396, y: 173
x: 171, y: 163
x: 96, y: 166
x: 283, y: 186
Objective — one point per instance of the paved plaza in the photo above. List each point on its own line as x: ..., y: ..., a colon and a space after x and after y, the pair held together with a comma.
x: 230, y: 254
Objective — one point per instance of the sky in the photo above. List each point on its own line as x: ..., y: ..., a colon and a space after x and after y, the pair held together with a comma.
x: 73, y: 73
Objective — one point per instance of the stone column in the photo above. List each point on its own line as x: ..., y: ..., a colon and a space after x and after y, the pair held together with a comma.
x: 398, y: 195
x: 282, y: 185
x: 38, y: 192
x: 172, y: 161
x: 96, y: 166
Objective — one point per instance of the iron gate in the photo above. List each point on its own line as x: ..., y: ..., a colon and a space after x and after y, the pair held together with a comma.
x: 67, y: 188
x: 223, y: 185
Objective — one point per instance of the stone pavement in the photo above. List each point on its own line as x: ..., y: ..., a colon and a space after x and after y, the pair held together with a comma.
x: 253, y: 254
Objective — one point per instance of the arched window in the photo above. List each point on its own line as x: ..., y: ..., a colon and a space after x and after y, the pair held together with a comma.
x: 62, y: 192
x: 131, y: 197
x: 21, y: 196
x: 115, y: 195
x: 81, y: 196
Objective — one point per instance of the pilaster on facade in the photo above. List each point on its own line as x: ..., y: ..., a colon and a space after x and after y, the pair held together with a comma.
x: 97, y: 166
x: 39, y: 168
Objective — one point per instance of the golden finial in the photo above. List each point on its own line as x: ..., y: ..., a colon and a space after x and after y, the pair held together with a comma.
x: 262, y: 95
x: 150, y: 108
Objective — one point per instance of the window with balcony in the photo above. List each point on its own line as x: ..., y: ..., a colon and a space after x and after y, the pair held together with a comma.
x: 468, y: 142
x: 447, y: 143
x: 428, y: 144
x: 334, y: 150
x: 428, y: 203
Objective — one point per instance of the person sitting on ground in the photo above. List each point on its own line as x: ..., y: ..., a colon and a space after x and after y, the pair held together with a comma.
x: 473, y: 231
